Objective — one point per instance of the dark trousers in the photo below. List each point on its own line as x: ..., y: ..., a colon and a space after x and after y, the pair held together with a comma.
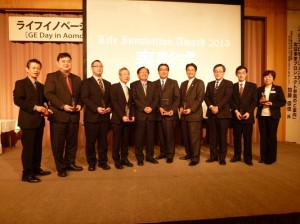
x: 268, y: 138
x: 96, y: 132
x: 64, y: 142
x: 120, y: 141
x: 218, y: 128
x: 144, y: 133
x: 245, y: 131
x: 191, y: 131
x: 32, y: 150
x: 166, y: 134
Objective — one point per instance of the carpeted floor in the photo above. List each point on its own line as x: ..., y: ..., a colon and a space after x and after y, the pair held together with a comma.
x: 152, y: 193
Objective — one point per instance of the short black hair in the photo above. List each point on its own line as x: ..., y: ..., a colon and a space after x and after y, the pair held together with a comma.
x: 63, y: 55
x: 220, y: 65
x: 270, y: 72
x: 33, y: 61
x: 191, y: 64
x: 240, y: 68
x: 163, y: 64
x: 138, y: 71
x: 96, y: 61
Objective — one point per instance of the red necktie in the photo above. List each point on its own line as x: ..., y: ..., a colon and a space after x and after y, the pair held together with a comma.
x: 69, y: 83
x: 241, y: 89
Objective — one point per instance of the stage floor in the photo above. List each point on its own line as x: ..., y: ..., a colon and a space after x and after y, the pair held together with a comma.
x: 151, y: 193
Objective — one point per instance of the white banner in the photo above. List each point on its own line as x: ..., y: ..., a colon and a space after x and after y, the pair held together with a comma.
x: 45, y: 29
x: 293, y: 77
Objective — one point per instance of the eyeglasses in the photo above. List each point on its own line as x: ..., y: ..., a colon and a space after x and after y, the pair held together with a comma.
x: 97, y: 66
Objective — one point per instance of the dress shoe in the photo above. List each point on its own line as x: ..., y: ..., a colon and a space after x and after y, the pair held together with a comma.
x: 184, y: 158
x: 152, y: 160
x: 42, y: 172
x: 61, y: 173
x: 31, y: 179
x: 268, y: 163
x: 118, y: 165
x: 91, y: 167
x: 160, y: 156
x: 169, y: 160
x: 233, y: 160
x: 261, y: 161
x: 127, y: 163
x: 249, y: 163
x: 104, y: 166
x: 193, y: 163
x: 211, y: 160
x: 73, y: 167
x: 140, y: 163
x: 222, y: 162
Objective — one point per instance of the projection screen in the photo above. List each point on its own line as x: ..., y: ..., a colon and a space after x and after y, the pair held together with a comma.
x: 146, y: 33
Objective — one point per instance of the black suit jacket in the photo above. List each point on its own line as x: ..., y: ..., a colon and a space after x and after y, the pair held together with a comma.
x: 58, y: 94
x: 223, y: 98
x: 276, y: 97
x: 141, y: 100
x: 193, y: 99
x: 118, y: 102
x: 26, y: 96
x: 92, y: 98
x: 171, y: 93
x: 245, y: 103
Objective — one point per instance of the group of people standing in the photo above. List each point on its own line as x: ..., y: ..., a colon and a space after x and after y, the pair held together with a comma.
x: 147, y: 106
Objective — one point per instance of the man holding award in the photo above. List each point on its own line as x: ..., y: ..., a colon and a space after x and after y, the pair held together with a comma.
x: 169, y: 99
x: 62, y: 89
x: 122, y: 118
x: 192, y: 96
x: 95, y: 94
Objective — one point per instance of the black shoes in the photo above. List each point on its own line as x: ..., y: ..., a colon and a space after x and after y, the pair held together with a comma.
x: 104, y: 166
x: 249, y: 163
x: 169, y: 160
x: 73, y: 167
x: 118, y: 165
x: 31, y: 179
x: 193, y: 163
x: 184, y: 158
x: 140, y: 163
x: 233, y: 160
x: 42, y: 172
x: 160, y: 156
x: 222, y: 162
x: 92, y: 167
x: 61, y: 173
x: 127, y: 163
x: 152, y: 160
x: 211, y: 160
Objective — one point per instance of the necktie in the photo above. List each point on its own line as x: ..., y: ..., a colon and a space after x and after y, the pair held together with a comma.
x: 145, y: 87
x: 162, y: 84
x: 126, y: 93
x: 101, y: 86
x: 35, y: 84
x: 69, y: 83
x: 241, y: 89
x: 215, y: 90
x: 188, y: 86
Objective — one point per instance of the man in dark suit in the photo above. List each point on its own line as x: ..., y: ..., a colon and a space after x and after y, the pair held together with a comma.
x: 95, y: 94
x: 244, y: 98
x: 191, y: 98
x: 122, y: 117
x: 270, y: 98
x: 217, y: 98
x: 145, y: 102
x: 62, y: 89
x: 167, y: 113
x: 29, y: 96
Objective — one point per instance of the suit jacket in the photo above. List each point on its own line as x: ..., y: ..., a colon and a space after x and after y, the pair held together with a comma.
x: 58, y: 94
x: 141, y: 100
x: 245, y: 103
x: 222, y: 100
x: 118, y: 102
x: 276, y: 97
x: 26, y: 96
x: 92, y: 97
x: 193, y: 99
x: 170, y: 93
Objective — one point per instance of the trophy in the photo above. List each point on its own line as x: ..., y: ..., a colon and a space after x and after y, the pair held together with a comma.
x: 127, y: 111
x: 166, y: 106
x: 184, y: 108
x: 46, y: 112
x: 263, y: 98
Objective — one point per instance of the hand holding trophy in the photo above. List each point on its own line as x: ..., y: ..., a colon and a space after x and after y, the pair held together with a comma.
x: 166, y: 106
